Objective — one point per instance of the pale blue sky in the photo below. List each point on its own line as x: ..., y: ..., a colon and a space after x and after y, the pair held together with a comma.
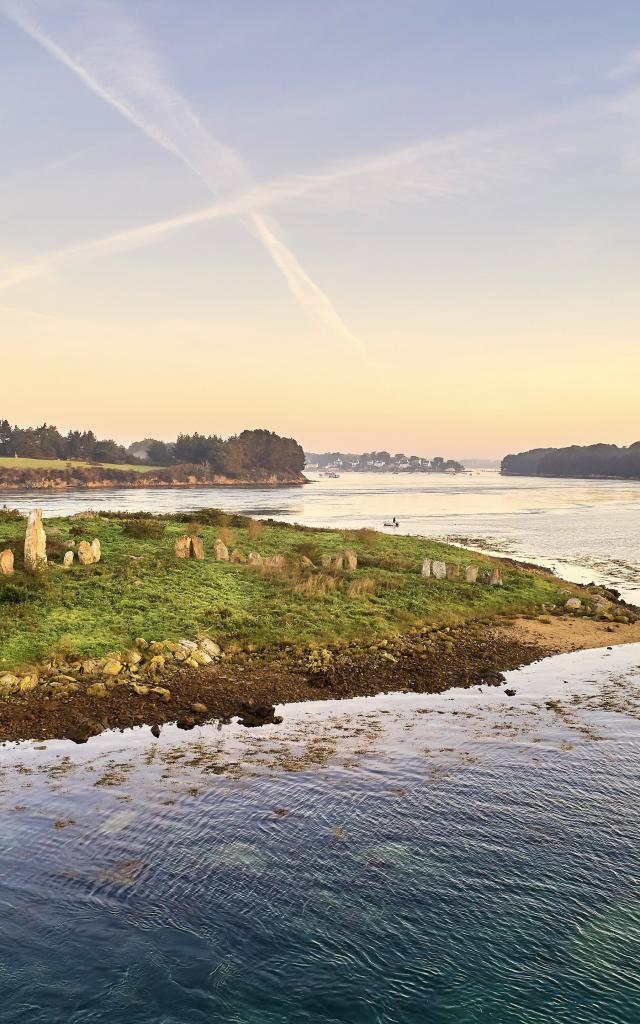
x: 434, y: 231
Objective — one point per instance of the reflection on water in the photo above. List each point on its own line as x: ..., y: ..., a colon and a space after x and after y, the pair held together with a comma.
x: 585, y: 529
x: 461, y: 857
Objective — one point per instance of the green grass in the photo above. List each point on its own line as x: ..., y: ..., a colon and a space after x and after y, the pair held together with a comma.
x: 140, y: 589
x: 8, y: 463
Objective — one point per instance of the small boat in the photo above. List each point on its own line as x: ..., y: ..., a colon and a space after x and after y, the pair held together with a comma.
x: 394, y: 523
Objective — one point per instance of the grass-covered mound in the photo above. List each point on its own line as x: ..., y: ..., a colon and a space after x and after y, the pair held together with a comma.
x: 139, y: 588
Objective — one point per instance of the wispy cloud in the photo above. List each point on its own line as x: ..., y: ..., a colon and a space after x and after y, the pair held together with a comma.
x: 627, y: 67
x: 111, y: 58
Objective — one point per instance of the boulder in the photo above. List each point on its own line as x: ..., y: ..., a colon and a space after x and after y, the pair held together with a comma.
x: 197, y: 548
x: 35, y: 543
x: 6, y: 562
x: 495, y: 579
x: 237, y: 556
x: 156, y: 664
x: 221, y: 551
x: 426, y: 567
x: 95, y: 549
x: 9, y: 684
x: 439, y: 570
x: 182, y: 546
x: 255, y: 558
x: 471, y: 573
x: 453, y: 571
x: 112, y: 667
x: 97, y: 690
x: 201, y: 657
x: 85, y: 554
x: 210, y: 647
x: 350, y: 559
x: 573, y: 603
x: 68, y: 559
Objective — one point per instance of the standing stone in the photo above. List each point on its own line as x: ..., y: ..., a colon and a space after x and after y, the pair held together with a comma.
x: 95, y: 549
x: 350, y: 559
x: 35, y: 543
x: 439, y: 570
x: 85, y: 554
x: 255, y: 558
x: 197, y: 548
x: 183, y: 546
x: 237, y: 556
x: 426, y: 567
x: 495, y: 579
x: 68, y: 559
x: 453, y: 571
x: 471, y: 573
x: 338, y: 562
x: 6, y: 562
x: 221, y: 551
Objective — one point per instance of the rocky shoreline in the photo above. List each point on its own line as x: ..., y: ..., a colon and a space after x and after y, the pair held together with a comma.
x: 207, y: 684
x: 136, y: 481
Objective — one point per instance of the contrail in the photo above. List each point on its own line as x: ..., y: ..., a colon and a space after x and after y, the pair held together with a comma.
x: 127, y: 76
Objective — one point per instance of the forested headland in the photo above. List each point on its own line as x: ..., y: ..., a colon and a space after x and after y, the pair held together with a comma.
x: 586, y: 461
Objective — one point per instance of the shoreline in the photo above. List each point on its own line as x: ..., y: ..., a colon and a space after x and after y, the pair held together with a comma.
x: 458, y: 656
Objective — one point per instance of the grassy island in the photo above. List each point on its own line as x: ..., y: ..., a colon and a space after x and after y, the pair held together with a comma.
x: 302, y: 617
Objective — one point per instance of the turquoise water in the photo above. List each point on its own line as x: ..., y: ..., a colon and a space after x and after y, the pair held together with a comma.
x: 462, y: 858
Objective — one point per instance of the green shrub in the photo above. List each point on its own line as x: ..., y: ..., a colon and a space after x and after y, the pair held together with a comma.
x: 10, y: 515
x: 12, y: 594
x: 144, y: 528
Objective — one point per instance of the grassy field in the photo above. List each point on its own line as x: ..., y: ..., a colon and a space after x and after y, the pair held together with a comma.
x: 7, y: 463
x: 139, y: 588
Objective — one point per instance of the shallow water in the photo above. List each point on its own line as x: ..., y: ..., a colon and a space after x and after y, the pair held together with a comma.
x: 462, y: 857
x: 585, y: 529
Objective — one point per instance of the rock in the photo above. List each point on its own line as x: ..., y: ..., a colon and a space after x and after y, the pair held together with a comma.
x: 426, y: 567
x: 306, y: 563
x: 252, y: 715
x: 85, y: 554
x: 68, y: 559
x: 350, y: 559
x: 439, y: 570
x: 221, y: 551
x: 162, y: 693
x: 141, y: 643
x: 133, y: 658
x: 141, y: 690
x: 9, y: 684
x: 453, y: 571
x: 573, y: 603
x: 186, y: 722
x: 201, y: 658
x: 237, y: 557
x: 182, y: 547
x: 197, y: 549
x: 338, y: 563
x: 28, y: 683
x: 191, y: 662
x: 471, y: 573
x: 255, y: 558
x: 69, y: 545
x: 190, y: 645
x: 155, y: 731
x: 97, y: 690
x: 199, y: 709
x: 156, y: 664
x: 210, y: 647
x: 35, y: 543
x: 96, y: 551
x: 510, y: 692
x: 495, y: 579
x: 112, y: 667
x: 6, y: 562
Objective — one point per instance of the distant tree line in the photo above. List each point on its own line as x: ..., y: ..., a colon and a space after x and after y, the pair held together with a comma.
x: 237, y: 456
x: 594, y: 460
x: 381, y: 462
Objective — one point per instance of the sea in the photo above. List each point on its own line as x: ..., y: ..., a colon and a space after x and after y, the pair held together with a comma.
x: 464, y: 857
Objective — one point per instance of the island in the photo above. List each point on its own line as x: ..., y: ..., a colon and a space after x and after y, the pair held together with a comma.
x: 380, y: 462
x: 594, y: 461
x: 114, y: 620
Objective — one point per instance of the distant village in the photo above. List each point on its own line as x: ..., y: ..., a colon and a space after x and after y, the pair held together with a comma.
x: 379, y: 462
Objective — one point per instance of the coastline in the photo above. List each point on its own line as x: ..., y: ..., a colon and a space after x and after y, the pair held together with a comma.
x: 140, y: 482
x: 459, y: 656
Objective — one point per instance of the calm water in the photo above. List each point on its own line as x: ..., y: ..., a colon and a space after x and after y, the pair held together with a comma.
x: 586, y: 530
x: 463, y: 858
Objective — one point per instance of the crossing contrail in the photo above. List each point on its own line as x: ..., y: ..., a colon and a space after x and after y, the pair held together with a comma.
x: 110, y: 57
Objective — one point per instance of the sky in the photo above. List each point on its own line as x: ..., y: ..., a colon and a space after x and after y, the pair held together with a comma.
x: 408, y: 225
